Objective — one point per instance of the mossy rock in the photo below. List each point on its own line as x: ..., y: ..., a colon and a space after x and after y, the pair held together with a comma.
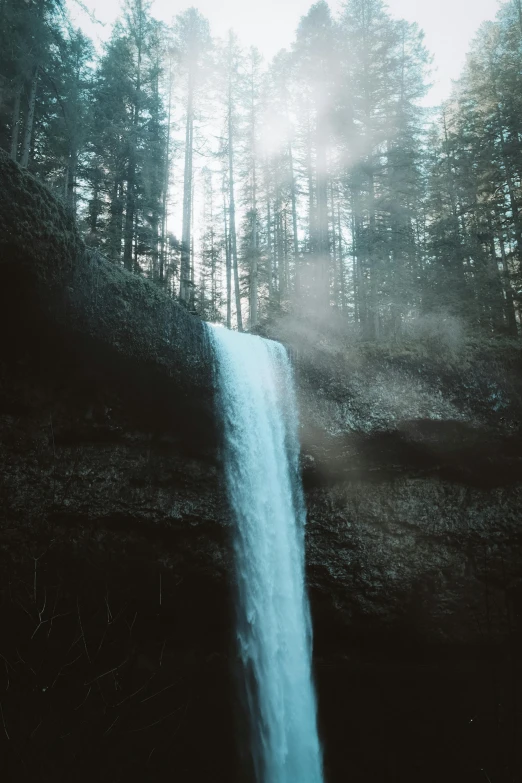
x: 62, y: 297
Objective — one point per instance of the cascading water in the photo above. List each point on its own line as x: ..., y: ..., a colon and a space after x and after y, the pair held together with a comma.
x: 257, y: 406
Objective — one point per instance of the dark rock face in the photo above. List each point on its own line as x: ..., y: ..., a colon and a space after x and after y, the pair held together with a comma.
x: 116, y: 649
x: 114, y: 556
x: 72, y: 303
x: 412, y: 464
x: 115, y: 604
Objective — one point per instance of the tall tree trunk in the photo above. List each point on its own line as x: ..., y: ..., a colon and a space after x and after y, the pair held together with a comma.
x: 312, y: 245
x: 156, y: 181
x: 321, y: 188
x: 232, y: 208
x: 130, y: 217
x: 269, y: 246
x: 336, y: 282
x: 254, y: 271
x: 254, y: 260
x: 293, y: 197
x: 228, y: 270
x: 165, y: 194
x: 192, y: 265
x: 135, y: 244
x: 116, y: 222
x: 94, y: 206
x: 286, y: 275
x: 374, y: 324
x: 460, y: 272
x: 128, y: 232
x: 361, y: 262
x: 29, y: 123
x: 515, y: 208
x: 184, y: 283
x: 278, y: 213
x: 71, y: 176
x: 213, y: 281
x: 355, y: 270
x: 506, y: 284
x: 499, y: 301
x: 341, y: 258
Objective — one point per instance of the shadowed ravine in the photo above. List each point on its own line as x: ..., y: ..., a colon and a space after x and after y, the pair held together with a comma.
x: 257, y: 405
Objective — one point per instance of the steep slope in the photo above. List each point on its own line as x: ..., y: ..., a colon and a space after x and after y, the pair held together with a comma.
x: 115, y: 567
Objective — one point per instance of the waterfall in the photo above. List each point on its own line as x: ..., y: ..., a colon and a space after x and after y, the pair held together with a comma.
x: 258, y: 411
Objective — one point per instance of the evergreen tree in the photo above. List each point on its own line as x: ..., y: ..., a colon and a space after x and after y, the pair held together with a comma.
x: 322, y: 186
x: 192, y: 36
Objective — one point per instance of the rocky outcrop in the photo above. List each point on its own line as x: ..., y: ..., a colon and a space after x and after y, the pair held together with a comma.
x: 72, y: 302
x: 114, y: 603
x: 412, y: 462
x: 115, y: 559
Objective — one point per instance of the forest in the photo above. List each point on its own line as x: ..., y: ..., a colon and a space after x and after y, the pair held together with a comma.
x: 290, y: 550
x: 317, y: 180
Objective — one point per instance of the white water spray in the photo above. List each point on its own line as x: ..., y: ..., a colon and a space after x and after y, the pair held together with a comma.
x: 257, y: 406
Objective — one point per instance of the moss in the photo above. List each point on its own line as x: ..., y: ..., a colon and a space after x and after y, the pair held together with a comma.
x: 34, y: 223
x: 52, y: 281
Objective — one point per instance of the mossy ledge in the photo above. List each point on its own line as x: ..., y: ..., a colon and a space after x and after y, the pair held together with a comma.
x: 59, y: 297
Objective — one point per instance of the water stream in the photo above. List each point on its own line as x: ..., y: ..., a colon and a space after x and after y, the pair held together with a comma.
x: 258, y: 411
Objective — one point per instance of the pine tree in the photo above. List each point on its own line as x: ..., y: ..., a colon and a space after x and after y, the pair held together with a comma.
x: 193, y: 41
x: 315, y: 56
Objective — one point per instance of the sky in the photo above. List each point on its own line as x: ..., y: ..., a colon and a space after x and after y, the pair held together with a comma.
x: 449, y: 25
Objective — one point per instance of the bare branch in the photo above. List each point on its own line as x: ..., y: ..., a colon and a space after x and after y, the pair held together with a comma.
x: 3, y: 721
x: 136, y: 692
x: 101, y: 642
x: 144, y: 728
x: 112, y: 724
x: 166, y: 688
x: 131, y: 626
x: 31, y: 735
x: 83, y: 702
x: 65, y: 665
x: 81, y: 629
x: 110, y: 671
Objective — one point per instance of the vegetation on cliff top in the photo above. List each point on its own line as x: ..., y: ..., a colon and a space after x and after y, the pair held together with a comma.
x: 359, y: 203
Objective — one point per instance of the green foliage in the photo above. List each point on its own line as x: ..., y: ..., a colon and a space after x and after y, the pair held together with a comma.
x: 320, y: 182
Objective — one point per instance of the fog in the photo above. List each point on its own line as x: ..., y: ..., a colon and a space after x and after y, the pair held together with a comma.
x: 449, y: 25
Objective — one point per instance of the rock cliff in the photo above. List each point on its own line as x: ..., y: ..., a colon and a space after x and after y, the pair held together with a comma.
x: 117, y: 619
